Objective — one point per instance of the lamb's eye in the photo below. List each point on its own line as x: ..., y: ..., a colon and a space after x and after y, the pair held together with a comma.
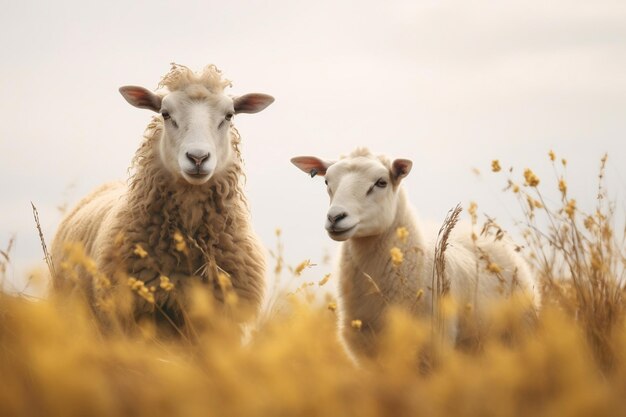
x: 381, y: 183
x: 326, y: 182
x: 229, y: 116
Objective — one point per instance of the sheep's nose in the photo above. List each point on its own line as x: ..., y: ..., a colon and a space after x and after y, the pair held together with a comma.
x: 197, y: 158
x: 336, y: 215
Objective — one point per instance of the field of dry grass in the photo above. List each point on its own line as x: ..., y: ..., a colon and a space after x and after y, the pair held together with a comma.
x: 55, y: 361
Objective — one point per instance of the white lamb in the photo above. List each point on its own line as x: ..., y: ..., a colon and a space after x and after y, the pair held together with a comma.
x: 183, y: 216
x: 367, y: 207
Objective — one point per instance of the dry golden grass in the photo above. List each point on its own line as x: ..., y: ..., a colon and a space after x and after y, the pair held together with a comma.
x: 55, y: 360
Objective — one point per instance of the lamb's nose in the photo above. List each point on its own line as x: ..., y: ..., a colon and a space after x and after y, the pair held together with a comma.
x: 197, y: 158
x: 334, y: 218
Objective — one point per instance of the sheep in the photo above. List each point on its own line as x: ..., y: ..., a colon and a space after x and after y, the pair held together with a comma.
x: 370, y: 213
x: 182, y: 217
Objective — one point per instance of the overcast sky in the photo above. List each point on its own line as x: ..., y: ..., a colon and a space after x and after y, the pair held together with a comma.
x: 450, y: 85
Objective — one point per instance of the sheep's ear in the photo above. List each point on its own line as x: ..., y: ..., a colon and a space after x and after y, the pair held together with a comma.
x: 252, y: 103
x: 141, y: 97
x: 311, y: 165
x: 400, y: 168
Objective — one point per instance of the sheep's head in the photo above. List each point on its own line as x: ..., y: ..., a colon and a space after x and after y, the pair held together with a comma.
x: 196, y: 141
x: 363, y: 192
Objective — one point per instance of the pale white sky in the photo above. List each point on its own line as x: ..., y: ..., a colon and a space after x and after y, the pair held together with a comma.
x: 448, y: 84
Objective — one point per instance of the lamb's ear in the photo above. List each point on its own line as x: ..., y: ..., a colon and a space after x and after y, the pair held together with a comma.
x: 400, y: 168
x: 141, y: 97
x: 311, y: 165
x: 252, y: 103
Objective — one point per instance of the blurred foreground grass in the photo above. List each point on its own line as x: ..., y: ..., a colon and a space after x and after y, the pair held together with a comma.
x: 54, y: 360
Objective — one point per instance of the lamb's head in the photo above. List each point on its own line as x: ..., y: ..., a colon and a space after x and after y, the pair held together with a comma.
x: 363, y: 191
x: 197, y: 118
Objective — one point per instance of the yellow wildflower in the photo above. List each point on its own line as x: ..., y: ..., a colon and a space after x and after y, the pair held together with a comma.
x: 166, y: 284
x: 402, y: 234
x: 226, y: 285
x: 356, y: 324
x: 181, y: 246
x: 570, y: 208
x: 562, y: 186
x: 552, y: 155
x: 140, y: 288
x: 495, y: 165
x: 224, y: 281
x: 564, y: 161
x: 277, y: 232
x: 324, y: 280
x: 396, y: 256
x: 589, y: 223
x: 472, y: 211
x: 516, y: 188
x: 140, y: 251
x: 494, y: 268
x: 332, y: 306
x: 146, y: 294
x: 302, y: 266
x: 531, y: 178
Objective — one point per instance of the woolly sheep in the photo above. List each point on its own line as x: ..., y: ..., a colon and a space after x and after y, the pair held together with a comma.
x: 182, y: 217
x: 367, y: 207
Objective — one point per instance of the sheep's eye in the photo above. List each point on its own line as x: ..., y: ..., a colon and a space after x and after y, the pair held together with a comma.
x: 166, y: 116
x: 381, y: 183
x: 326, y: 182
x: 229, y: 116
